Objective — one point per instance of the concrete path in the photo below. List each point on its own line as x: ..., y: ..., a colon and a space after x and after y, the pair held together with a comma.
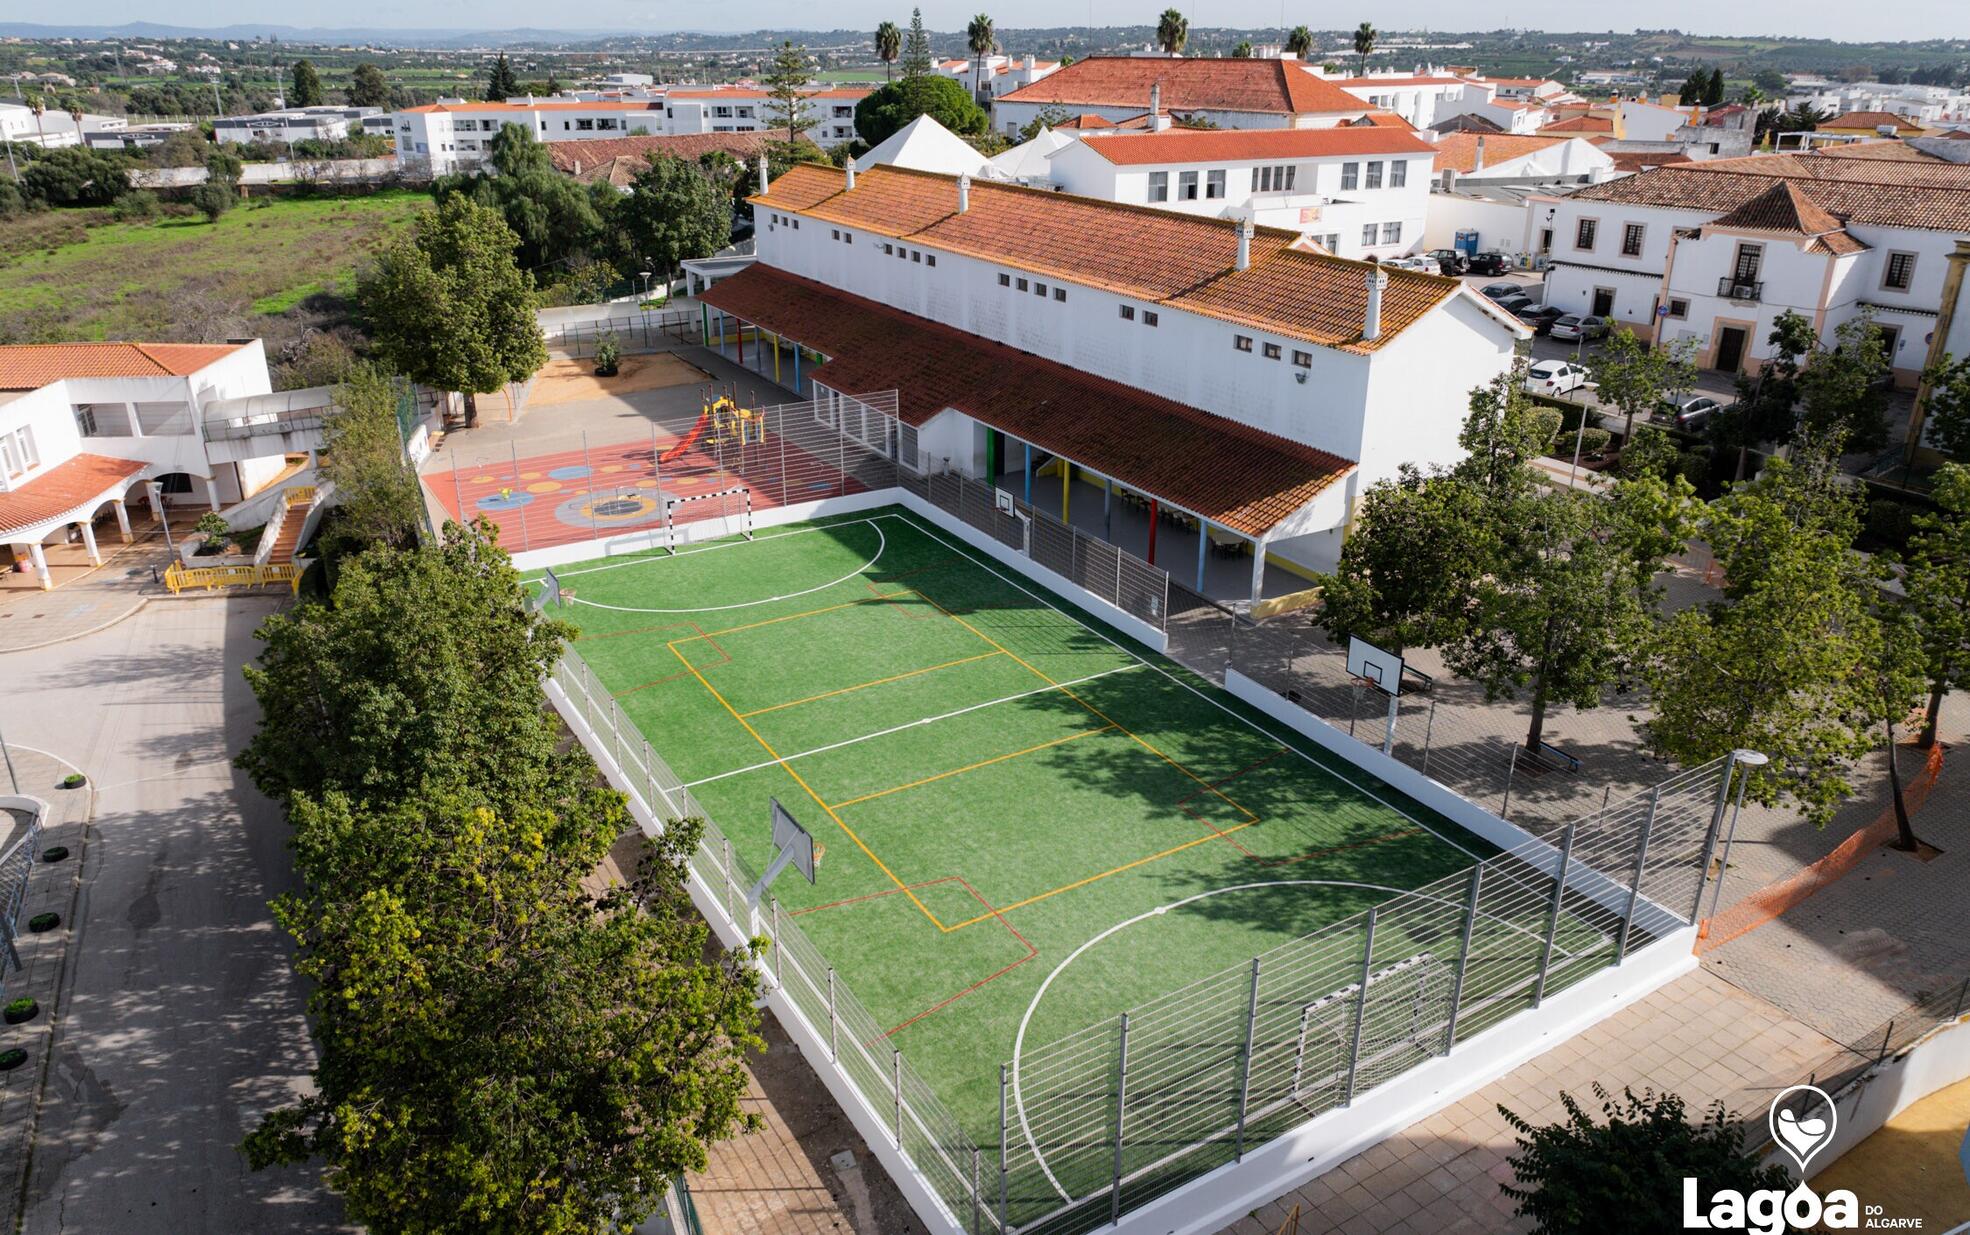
x: 180, y: 1021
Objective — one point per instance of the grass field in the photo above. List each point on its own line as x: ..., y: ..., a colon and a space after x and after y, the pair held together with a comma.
x: 77, y: 274
x: 996, y: 780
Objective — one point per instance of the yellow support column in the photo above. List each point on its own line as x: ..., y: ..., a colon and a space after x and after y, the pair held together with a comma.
x: 1066, y: 480
x: 776, y: 359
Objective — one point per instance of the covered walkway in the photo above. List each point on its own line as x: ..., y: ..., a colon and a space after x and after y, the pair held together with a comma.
x: 67, y: 496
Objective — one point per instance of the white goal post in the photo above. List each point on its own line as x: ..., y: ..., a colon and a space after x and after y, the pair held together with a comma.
x: 725, y: 495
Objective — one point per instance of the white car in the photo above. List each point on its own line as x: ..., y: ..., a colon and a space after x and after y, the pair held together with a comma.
x: 1554, y: 378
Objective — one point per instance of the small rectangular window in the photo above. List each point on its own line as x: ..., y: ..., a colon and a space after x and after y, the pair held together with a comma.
x: 1159, y: 186
x: 1303, y: 359
x: 1187, y: 186
x: 1262, y: 180
x: 1149, y: 317
x: 1398, y: 173
x: 848, y: 237
x: 1272, y: 351
x: 1292, y: 172
x: 1023, y: 285
x: 1900, y: 274
x: 1583, y: 234
x: 916, y: 255
x: 902, y: 254
x: 1375, y: 174
x: 1039, y: 289
x: 1060, y: 293
x: 1631, y: 240
x: 930, y: 259
x: 835, y: 232
x: 796, y: 224
x: 1391, y: 233
x: 1679, y: 308
x: 1214, y: 183
x: 1005, y: 280
x: 1368, y: 231
x: 1128, y: 313
x: 1243, y: 342
x: 1350, y: 175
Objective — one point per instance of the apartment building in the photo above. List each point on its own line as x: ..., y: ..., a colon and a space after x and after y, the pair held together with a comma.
x: 738, y: 109
x: 1230, y: 94
x: 988, y: 77
x: 293, y: 124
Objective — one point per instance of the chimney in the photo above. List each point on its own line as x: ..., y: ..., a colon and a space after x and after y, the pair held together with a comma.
x: 1157, y: 120
x: 1449, y: 180
x: 1479, y: 165
x: 849, y: 167
x: 765, y: 177
x: 964, y: 194
x: 1244, y: 259
x: 1032, y: 61
x: 1371, y: 325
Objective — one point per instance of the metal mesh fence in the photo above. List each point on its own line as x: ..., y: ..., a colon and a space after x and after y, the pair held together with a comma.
x: 633, y: 332
x: 16, y: 867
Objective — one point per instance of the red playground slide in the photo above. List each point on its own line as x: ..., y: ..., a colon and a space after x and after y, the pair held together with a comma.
x: 689, y: 439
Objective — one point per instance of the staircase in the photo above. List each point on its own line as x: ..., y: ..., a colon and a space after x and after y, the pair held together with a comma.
x: 285, y: 528
x: 290, y: 535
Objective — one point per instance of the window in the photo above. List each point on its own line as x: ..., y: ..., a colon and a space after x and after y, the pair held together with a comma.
x: 1631, y: 240
x: 890, y: 248
x: 1303, y: 359
x: 1750, y: 259
x: 1350, y: 176
x: 1187, y: 186
x: 1159, y: 186
x: 848, y: 237
x: 1398, y: 173
x: 1375, y: 174
x: 1900, y: 274
x: 1039, y: 288
x: 1128, y: 313
x: 1005, y: 280
x: 1243, y: 342
x: 1368, y: 231
x: 17, y: 453
x: 1214, y: 183
x: 1679, y: 308
x: 916, y: 255
x: 1060, y: 293
x: 85, y: 421
x: 1583, y: 233
x: 1023, y: 285
x: 1391, y: 233
x: 835, y: 233
x: 929, y: 259
x: 1272, y: 351
x: 1149, y: 317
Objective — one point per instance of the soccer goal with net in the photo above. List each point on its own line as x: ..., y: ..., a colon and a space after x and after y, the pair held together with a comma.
x: 707, y: 516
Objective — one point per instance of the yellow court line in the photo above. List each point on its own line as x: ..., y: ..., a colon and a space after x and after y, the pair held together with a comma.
x: 1081, y: 883
x: 829, y: 694
x: 876, y: 599
x: 972, y: 767
x: 767, y: 747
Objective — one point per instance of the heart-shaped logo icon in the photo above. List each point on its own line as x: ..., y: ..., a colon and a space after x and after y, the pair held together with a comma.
x: 1803, y: 1120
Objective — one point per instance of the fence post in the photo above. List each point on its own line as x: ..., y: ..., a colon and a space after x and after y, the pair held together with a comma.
x: 731, y: 885
x: 1961, y: 992
x: 1463, y: 957
x: 1245, y: 1080
x: 834, y: 1052
x: 1887, y: 1035
x: 896, y: 1088
x: 1429, y: 731
x: 1553, y: 919
x: 777, y: 949
x: 1005, y: 1075
x: 1299, y: 1050
x: 1360, y: 1008
x: 594, y: 527
x: 1121, y: 1102
x: 514, y: 450
x: 1710, y: 839
x: 1505, y: 807
x: 977, y: 1219
x: 1635, y: 887
x: 615, y: 731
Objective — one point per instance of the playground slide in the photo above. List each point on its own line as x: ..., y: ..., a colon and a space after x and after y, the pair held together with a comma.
x: 689, y: 439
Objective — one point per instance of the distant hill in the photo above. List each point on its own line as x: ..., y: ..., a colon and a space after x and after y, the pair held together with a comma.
x: 309, y: 34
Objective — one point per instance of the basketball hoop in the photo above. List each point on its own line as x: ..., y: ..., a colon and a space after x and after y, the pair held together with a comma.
x: 1381, y: 669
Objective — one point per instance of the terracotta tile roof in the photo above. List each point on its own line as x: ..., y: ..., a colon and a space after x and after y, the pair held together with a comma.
x: 1884, y: 148
x: 64, y: 489
x: 30, y: 366
x: 1641, y: 160
x: 1871, y: 120
x: 1839, y: 243
x: 1092, y: 120
x: 542, y: 105
x: 744, y: 92
x: 1384, y: 119
x: 1361, y: 83
x: 1580, y: 124
x: 1229, y: 145
x: 1879, y: 192
x: 619, y: 159
x: 1469, y: 122
x: 1139, y: 251
x: 1232, y: 474
x: 1267, y: 86
x: 1459, y: 151
x: 1781, y: 208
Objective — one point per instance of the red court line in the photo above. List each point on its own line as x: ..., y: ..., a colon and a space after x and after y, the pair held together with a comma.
x: 1183, y: 804
x: 990, y: 911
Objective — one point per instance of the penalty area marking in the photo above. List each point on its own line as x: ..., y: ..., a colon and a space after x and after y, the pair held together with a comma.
x: 882, y: 546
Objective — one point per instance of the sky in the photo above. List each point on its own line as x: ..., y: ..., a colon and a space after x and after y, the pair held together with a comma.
x: 1907, y: 19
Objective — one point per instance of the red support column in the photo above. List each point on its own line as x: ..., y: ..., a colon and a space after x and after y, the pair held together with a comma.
x: 1154, y: 519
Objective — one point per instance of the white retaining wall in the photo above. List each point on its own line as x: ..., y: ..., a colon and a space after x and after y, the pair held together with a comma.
x: 1939, y: 1059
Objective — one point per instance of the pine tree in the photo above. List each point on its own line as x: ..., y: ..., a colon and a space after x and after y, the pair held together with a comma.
x: 916, y: 48
x: 786, y: 91
x: 501, y: 84
x: 305, y: 86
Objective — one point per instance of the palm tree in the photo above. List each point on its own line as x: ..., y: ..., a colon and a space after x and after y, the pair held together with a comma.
x: 1364, y: 44
x: 1300, y: 42
x: 889, y: 45
x: 1172, y: 31
x: 978, y: 37
x: 37, y: 107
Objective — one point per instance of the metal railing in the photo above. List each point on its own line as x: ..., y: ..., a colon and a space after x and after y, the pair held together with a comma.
x: 633, y: 332
x: 233, y: 428
x: 16, y: 868
x: 1740, y: 289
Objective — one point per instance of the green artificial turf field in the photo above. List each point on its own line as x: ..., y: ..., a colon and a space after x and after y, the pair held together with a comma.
x: 995, y: 780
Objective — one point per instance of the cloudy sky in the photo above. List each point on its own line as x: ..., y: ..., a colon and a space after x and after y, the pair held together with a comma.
x: 1907, y: 19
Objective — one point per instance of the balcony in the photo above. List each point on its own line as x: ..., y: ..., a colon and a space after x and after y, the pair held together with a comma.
x: 1740, y: 290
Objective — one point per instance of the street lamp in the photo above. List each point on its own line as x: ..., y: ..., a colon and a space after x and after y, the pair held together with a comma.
x: 1746, y: 759
x: 646, y: 285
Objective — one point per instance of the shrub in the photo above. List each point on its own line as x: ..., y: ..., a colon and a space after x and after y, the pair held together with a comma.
x: 74, y: 780
x: 1546, y: 421
x: 1593, y: 442
x: 212, y: 200
x: 22, y: 1009
x: 54, y: 853
x: 608, y: 356
x: 44, y: 922
x: 11, y: 1058
x: 136, y: 206
x: 212, y: 525
x: 1889, y: 523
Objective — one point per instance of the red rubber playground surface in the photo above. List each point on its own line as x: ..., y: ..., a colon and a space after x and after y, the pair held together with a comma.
x: 580, y: 494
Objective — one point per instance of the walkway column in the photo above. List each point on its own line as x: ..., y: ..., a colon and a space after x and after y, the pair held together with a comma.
x: 89, y: 542
x: 776, y: 360
x: 122, y: 520
x: 1066, y: 479
x: 1027, y: 469
x: 704, y: 320
x: 40, y: 561
x: 1107, y: 510
x: 1155, y: 517
x: 796, y: 368
x: 1203, y: 539
x: 212, y: 492
x: 1258, y: 568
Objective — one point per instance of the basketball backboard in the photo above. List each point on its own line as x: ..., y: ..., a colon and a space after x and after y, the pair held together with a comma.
x: 1376, y: 665
x: 789, y: 836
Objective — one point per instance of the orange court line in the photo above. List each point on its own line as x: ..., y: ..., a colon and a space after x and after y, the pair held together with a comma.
x: 1081, y: 883
x: 972, y: 767
x: 829, y: 694
x: 767, y: 747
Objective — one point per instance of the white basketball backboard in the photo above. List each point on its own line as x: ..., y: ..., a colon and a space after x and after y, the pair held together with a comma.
x: 1004, y: 502
x: 790, y: 837
x: 1373, y: 664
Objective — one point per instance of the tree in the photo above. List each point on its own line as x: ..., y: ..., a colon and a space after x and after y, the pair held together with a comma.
x: 75, y: 176
x: 1945, y: 406
x: 1693, y: 87
x: 889, y: 46
x: 1172, y: 31
x: 916, y: 48
x: 1765, y: 406
x: 1243, y: 51
x: 1635, y: 377
x: 1625, y: 1176
x: 1300, y: 42
x: 448, y: 306
x: 557, y: 220
x: 304, y: 86
x: 379, y: 502
x: 224, y: 168
x: 1408, y: 569
x: 1937, y: 584
x: 368, y: 87
x: 981, y: 42
x: 184, y: 148
x: 1771, y: 82
x: 1049, y: 117
x: 1787, y: 661
x: 213, y: 200
x: 673, y: 212
x: 890, y: 107
x: 501, y: 84
x: 786, y: 92
x: 1843, y: 391
x: 1364, y: 44
x: 1713, y: 89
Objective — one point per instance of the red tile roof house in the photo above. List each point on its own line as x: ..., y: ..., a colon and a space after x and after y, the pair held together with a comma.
x: 86, y: 426
x: 1231, y: 374
x: 1231, y: 94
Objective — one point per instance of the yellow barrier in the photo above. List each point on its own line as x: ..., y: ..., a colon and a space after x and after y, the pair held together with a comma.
x: 300, y: 495
x: 178, y: 577
x: 1285, y: 604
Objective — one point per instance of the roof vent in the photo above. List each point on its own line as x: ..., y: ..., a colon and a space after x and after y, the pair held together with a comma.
x: 1479, y: 165
x: 765, y: 176
x: 1244, y: 260
x: 964, y: 194
x: 1371, y: 324
x: 849, y: 167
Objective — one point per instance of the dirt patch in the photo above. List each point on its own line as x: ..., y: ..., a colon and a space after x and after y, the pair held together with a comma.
x: 574, y: 381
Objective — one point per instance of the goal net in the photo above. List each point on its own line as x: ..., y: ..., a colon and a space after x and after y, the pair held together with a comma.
x: 707, y: 516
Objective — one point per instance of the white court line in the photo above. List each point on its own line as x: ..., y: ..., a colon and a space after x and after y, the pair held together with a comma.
x: 928, y: 720
x: 882, y: 546
x: 730, y: 544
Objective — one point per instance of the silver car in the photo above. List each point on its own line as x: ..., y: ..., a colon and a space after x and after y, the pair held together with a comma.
x: 1573, y: 326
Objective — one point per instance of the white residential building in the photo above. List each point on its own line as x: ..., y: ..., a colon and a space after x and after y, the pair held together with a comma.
x: 1358, y: 191
x: 1421, y: 98
x: 1229, y: 94
x: 1926, y: 104
x: 1234, y: 375
x: 293, y: 124
x: 739, y: 109
x: 135, y: 137
x: 988, y: 77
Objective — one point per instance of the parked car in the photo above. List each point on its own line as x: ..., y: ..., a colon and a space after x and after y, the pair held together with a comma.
x: 1690, y: 412
x: 1540, y: 317
x: 1487, y: 263
x: 1411, y: 261
x: 1573, y: 326
x: 1450, y: 261
x: 1498, y: 291
x: 1514, y: 302
x: 1554, y: 378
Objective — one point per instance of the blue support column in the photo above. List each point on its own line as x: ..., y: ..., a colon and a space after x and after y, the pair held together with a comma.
x: 704, y: 314
x: 1203, y: 539
x: 796, y: 368
x: 1029, y: 473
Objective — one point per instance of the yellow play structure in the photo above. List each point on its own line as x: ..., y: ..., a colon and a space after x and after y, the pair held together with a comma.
x: 732, y: 423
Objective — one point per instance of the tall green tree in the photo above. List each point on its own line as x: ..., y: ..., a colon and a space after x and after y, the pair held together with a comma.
x: 378, y: 498
x: 368, y: 87
x: 558, y: 221
x: 981, y: 42
x: 448, y: 306
x: 916, y: 48
x: 304, y: 85
x: 501, y: 83
x: 1172, y: 31
x: 1937, y: 584
x: 890, y: 107
x: 673, y: 212
x: 786, y: 92
x: 1843, y: 391
x: 1945, y: 407
x: 1635, y: 378
x: 1300, y: 42
x: 1693, y: 87
x: 1364, y: 43
x: 1243, y: 50
x: 889, y: 46
x: 1713, y: 89
x: 1766, y: 406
